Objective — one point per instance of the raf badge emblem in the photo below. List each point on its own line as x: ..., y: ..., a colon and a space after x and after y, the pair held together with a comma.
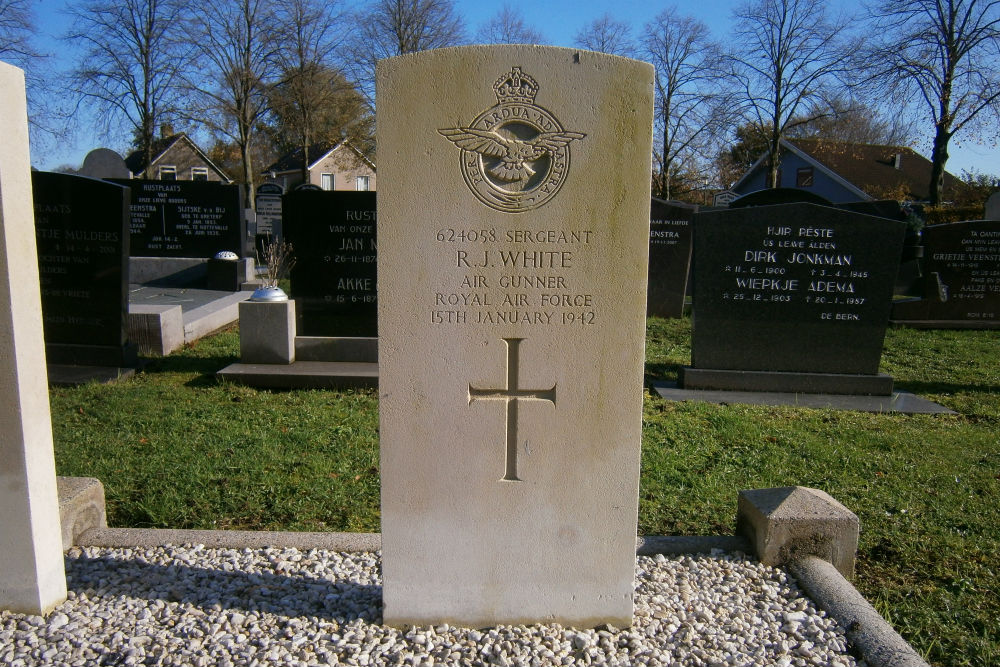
x: 515, y: 156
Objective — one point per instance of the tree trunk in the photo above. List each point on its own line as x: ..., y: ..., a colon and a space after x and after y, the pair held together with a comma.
x: 248, y: 180
x: 939, y: 158
x: 773, y: 161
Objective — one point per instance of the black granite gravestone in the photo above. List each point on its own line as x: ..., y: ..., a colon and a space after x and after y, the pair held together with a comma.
x: 333, y: 280
x: 961, y: 278
x: 81, y: 228
x: 184, y: 218
x: 796, y: 289
x: 773, y: 196
x: 669, y: 257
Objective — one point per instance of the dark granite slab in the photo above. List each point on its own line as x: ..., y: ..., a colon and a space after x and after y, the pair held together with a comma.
x: 961, y: 274
x: 81, y: 228
x: 184, y: 218
x: 670, y: 237
x: 792, y: 288
x: 333, y: 281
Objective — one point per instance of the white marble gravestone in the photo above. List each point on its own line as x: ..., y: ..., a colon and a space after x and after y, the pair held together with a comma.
x: 513, y: 231
x: 32, y: 578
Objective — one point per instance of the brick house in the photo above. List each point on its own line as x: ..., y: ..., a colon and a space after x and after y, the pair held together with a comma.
x: 177, y: 158
x: 337, y: 167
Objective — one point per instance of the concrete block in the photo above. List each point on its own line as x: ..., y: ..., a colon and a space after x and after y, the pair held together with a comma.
x: 156, y: 330
x: 786, y: 523
x: 81, y: 507
x: 267, y: 332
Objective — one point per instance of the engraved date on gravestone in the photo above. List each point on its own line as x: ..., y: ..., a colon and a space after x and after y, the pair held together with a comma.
x: 514, y: 276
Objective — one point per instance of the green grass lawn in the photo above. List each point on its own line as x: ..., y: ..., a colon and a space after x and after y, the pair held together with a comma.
x: 176, y: 449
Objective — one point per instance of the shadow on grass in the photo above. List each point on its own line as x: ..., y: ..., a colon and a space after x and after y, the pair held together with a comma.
x: 945, y: 388
x: 660, y: 373
x: 288, y: 595
x: 205, y: 367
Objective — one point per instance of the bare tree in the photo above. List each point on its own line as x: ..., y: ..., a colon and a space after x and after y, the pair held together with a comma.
x: 508, y: 27
x: 786, y: 56
x: 311, y: 32
x: 849, y: 121
x: 607, y: 35
x: 943, y: 55
x: 131, y: 64
x: 691, y: 110
x: 16, y: 30
x: 394, y: 27
x: 237, y: 53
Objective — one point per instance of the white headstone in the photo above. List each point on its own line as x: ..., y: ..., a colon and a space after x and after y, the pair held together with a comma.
x: 513, y: 228
x: 32, y: 577
x: 993, y: 207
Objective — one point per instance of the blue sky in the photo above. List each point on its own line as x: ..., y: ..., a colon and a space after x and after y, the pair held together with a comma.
x: 558, y: 21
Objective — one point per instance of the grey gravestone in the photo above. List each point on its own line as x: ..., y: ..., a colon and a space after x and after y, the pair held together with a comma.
x: 104, y: 163
x: 794, y: 288
x: 81, y: 227
x: 993, y: 207
x: 184, y: 218
x: 268, y: 205
x: 334, y: 245
x: 961, y: 278
x: 669, y: 257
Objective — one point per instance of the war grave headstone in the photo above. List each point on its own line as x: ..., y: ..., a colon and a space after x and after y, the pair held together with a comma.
x: 961, y: 283
x: 793, y: 300
x: 32, y: 574
x: 178, y: 226
x: 511, y: 321
x: 669, y: 257
x: 82, y: 236
x: 333, y: 281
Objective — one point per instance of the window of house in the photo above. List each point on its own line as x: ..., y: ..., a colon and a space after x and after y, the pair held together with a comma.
x: 199, y: 173
x: 168, y: 173
x: 326, y: 181
x: 362, y: 183
x: 804, y: 177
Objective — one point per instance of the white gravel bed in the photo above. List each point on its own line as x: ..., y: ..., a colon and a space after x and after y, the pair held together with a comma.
x: 190, y: 605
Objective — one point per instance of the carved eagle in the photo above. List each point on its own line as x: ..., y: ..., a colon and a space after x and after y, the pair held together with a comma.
x: 514, y: 154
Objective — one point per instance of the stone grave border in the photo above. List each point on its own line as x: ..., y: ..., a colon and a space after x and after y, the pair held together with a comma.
x: 804, y: 530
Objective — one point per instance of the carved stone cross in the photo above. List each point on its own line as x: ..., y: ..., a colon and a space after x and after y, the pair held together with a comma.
x: 511, y: 394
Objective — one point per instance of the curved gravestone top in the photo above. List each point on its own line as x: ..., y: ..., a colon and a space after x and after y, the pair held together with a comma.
x: 779, y: 196
x: 993, y: 207
x: 104, y: 163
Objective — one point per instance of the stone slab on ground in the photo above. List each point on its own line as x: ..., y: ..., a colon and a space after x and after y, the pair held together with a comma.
x: 202, y: 311
x: 68, y: 375
x: 900, y: 401
x: 806, y: 383
x: 303, y: 375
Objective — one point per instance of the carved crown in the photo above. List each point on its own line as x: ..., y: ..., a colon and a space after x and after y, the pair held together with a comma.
x: 516, y: 86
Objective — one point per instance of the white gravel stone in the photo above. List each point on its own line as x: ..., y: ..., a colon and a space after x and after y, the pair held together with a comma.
x: 189, y: 605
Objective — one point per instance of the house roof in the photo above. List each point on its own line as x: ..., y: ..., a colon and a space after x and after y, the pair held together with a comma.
x: 869, y: 169
x: 136, y: 164
x: 292, y: 161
